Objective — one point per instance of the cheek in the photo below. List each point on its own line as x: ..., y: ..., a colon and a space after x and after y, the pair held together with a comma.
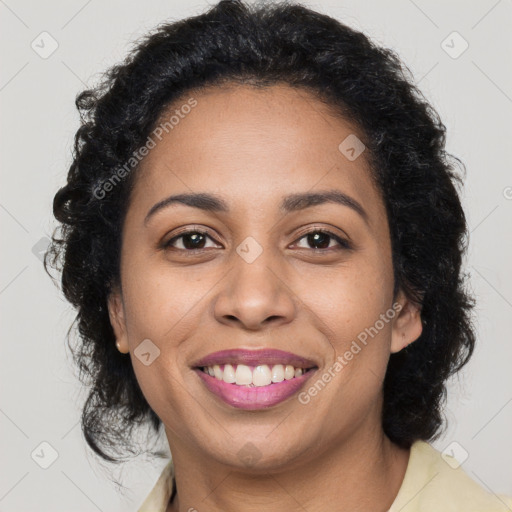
x: 352, y: 315
x: 160, y: 306
x: 348, y: 298
x: 353, y: 307
x: 158, y: 300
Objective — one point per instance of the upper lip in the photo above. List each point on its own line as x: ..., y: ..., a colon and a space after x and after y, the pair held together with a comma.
x: 255, y: 357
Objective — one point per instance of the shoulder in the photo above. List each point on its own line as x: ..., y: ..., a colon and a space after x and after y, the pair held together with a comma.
x: 158, y: 499
x: 435, y: 481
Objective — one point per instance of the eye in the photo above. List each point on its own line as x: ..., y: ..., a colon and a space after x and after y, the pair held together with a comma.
x: 189, y: 240
x: 195, y: 240
x: 322, y: 239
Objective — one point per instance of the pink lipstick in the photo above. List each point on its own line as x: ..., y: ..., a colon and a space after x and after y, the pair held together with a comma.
x: 254, y: 379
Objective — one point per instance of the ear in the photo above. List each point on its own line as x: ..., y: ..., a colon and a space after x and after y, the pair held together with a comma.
x: 407, y: 325
x: 117, y: 319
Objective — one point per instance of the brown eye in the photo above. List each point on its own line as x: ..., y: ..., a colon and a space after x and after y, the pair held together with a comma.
x: 321, y: 240
x: 318, y: 240
x: 189, y: 240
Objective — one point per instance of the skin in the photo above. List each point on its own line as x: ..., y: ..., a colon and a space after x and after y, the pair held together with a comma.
x: 252, y: 147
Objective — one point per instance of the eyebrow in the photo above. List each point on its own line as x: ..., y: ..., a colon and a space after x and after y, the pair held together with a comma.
x: 291, y: 203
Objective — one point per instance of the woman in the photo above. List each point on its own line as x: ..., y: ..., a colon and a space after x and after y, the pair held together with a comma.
x: 263, y: 239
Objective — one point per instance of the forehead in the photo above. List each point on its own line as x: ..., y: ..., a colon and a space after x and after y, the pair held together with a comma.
x: 254, y: 145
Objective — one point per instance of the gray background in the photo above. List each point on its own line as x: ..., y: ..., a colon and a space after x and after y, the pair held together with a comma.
x: 40, y: 398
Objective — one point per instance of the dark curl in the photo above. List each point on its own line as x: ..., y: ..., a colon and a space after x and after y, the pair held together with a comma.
x: 261, y: 45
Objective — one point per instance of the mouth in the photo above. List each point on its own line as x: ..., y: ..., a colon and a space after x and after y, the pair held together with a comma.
x: 254, y: 379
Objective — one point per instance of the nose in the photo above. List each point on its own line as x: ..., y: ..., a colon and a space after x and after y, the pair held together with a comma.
x: 255, y: 295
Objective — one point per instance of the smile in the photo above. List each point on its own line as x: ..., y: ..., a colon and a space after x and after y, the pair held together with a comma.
x: 254, y: 379
x: 251, y: 389
x: 260, y: 375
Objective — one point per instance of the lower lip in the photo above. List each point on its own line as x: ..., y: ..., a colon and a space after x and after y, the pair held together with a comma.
x: 257, y: 397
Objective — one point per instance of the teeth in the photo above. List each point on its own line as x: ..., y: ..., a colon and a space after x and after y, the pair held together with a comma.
x: 243, y: 375
x: 277, y: 373
x: 228, y: 375
x: 261, y: 375
x: 289, y: 372
x: 217, y: 372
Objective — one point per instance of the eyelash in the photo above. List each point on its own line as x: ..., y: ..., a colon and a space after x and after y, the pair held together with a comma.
x: 343, y: 244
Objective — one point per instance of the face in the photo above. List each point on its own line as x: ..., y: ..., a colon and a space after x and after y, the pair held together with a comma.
x: 260, y: 270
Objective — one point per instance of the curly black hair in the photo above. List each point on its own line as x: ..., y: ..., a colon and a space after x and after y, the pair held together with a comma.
x: 261, y: 45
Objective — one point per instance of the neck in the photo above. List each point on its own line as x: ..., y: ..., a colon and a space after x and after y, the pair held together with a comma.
x: 362, y: 473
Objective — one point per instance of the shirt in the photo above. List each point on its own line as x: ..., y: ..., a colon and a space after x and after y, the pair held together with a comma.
x: 432, y: 483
